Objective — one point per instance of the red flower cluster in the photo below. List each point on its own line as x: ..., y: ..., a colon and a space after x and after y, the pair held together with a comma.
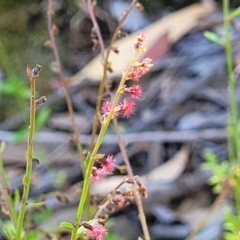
x: 135, y: 91
x: 107, y: 165
x: 125, y: 108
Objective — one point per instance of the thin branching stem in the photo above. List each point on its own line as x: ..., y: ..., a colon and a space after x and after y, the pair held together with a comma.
x: 64, y: 82
x: 96, y: 28
x: 137, y: 196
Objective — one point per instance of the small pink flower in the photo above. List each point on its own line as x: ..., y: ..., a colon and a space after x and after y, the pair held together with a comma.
x: 108, y: 165
x: 144, y: 66
x: 135, y: 74
x: 96, y: 231
x: 96, y: 175
x: 135, y: 91
x: 126, y: 108
x: 106, y: 107
x: 119, y: 200
x: 139, y: 40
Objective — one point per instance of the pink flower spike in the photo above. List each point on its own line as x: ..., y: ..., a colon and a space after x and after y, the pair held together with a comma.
x: 127, y: 107
x: 135, y: 91
x: 108, y: 165
x: 97, y: 231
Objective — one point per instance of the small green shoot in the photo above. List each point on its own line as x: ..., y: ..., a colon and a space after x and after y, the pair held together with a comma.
x: 67, y: 225
x: 214, y: 38
x: 219, y: 171
x: 235, y: 13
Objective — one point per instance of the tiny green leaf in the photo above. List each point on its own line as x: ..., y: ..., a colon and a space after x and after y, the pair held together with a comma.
x: 36, y: 205
x: 214, y: 38
x: 66, y: 225
x: 98, y: 156
x: 16, y: 196
x: 8, y: 234
x: 24, y: 181
x: 235, y: 13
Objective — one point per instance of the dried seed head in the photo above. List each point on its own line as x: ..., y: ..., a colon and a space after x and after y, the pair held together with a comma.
x: 115, y: 50
x: 55, y: 29
x: 40, y: 101
x: 36, y: 71
x: 48, y: 44
x: 139, y: 6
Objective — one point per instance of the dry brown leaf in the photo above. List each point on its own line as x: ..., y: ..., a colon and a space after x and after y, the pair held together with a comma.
x: 166, y: 172
x: 172, y: 169
x: 174, y: 26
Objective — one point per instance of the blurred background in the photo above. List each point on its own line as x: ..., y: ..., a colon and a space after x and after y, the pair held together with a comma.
x: 182, y: 113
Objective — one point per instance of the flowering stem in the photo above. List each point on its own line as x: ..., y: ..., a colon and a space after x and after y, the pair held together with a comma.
x: 29, y: 155
x: 137, y: 196
x: 105, y: 67
x: 90, y: 157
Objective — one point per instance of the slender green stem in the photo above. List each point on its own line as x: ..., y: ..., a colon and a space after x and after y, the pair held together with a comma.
x: 29, y: 156
x: 233, y: 114
x: 90, y: 157
x: 6, y: 194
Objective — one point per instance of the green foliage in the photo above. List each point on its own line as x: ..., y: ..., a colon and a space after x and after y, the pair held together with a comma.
x: 66, y: 225
x: 15, y: 87
x: 16, y: 197
x: 42, y: 216
x: 32, y: 235
x: 232, y: 226
x: 112, y: 236
x: 226, y: 174
x: 8, y: 229
x: 214, y: 37
x: 41, y: 119
x: 235, y: 13
x: 60, y: 177
x: 219, y: 171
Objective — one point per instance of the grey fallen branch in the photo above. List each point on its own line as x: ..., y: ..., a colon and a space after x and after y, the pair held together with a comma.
x: 110, y: 139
